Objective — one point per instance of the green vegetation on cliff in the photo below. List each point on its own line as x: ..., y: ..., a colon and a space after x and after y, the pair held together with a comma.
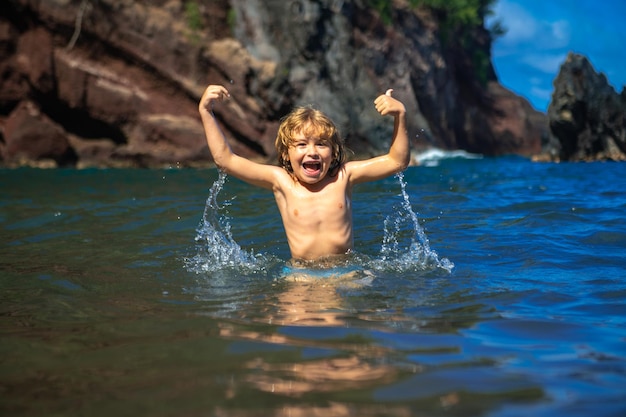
x: 460, y: 22
x: 454, y: 13
x: 457, y: 13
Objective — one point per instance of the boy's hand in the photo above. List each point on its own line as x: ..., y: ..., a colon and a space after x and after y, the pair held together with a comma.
x: 211, y: 94
x: 385, y: 104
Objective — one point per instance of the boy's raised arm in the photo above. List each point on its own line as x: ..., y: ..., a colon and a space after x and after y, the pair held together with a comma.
x: 219, y: 147
x: 223, y: 156
x: 399, y: 155
x: 399, y: 150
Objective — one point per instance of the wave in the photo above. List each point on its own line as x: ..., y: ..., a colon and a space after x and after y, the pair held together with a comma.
x: 431, y: 157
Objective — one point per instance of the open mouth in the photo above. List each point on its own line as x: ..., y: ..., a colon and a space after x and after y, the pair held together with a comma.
x: 312, y: 167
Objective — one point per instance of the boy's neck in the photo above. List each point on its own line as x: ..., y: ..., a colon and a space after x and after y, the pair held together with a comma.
x: 317, y: 186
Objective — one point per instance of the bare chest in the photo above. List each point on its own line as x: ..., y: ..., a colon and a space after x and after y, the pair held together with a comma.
x: 326, y: 206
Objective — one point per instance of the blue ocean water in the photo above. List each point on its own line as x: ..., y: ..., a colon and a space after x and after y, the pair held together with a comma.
x: 498, y: 290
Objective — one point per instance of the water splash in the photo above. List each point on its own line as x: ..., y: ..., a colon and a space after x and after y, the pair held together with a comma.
x: 416, y: 253
x: 217, y: 249
x: 405, y: 245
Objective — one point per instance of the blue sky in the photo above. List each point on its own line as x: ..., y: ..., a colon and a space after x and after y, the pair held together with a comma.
x: 540, y: 33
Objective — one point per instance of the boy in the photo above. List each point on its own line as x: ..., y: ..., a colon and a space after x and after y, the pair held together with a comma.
x: 313, y: 185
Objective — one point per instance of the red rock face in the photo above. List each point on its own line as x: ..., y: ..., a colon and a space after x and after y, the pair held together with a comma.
x: 31, y: 136
x: 125, y: 93
x: 516, y: 126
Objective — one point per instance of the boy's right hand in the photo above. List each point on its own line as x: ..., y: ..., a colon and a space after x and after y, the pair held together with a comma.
x: 211, y: 94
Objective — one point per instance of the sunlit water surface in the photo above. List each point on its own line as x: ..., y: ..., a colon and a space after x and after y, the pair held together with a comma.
x: 498, y: 289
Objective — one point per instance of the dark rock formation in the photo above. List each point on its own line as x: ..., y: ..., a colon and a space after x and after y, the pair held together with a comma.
x: 587, y: 116
x: 116, y: 83
x: 30, y: 135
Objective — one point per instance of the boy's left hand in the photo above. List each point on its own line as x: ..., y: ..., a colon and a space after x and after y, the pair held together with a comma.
x: 385, y: 104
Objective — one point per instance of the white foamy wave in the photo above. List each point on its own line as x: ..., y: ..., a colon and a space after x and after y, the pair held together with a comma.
x: 433, y: 156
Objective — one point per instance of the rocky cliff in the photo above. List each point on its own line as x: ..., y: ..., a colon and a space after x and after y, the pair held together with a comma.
x: 587, y: 117
x: 116, y: 82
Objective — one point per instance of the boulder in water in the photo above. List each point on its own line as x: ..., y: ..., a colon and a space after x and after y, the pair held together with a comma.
x: 587, y: 116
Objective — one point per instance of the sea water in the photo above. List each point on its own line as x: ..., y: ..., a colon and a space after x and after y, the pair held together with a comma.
x: 498, y: 290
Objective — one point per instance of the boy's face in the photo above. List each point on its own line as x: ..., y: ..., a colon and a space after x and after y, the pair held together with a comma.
x: 310, y: 158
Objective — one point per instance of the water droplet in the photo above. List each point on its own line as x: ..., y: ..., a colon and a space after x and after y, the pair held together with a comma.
x: 232, y: 82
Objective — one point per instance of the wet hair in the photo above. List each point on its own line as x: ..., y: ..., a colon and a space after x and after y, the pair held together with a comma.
x: 311, y: 123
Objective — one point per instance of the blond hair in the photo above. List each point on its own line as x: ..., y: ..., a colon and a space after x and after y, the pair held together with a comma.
x: 311, y: 123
